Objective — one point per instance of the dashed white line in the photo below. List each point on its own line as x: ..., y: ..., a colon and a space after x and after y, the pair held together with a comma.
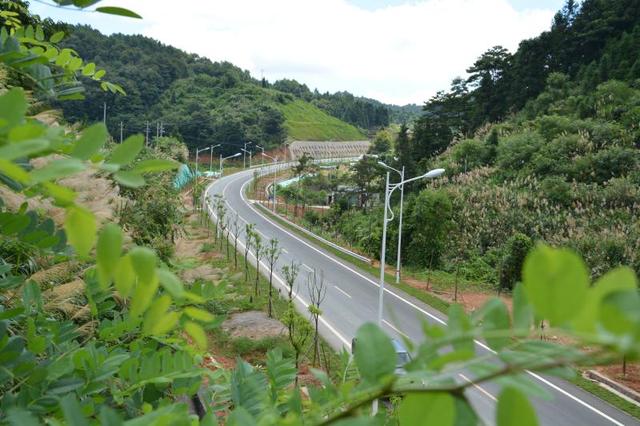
x: 481, y: 389
x: 394, y: 328
x: 342, y: 291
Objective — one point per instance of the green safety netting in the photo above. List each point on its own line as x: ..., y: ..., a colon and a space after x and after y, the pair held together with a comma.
x: 183, y: 177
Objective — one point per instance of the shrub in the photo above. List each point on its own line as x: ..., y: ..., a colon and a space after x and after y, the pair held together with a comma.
x: 312, y: 217
x: 557, y: 191
x: 620, y: 192
x: 511, y: 267
x: 428, y: 220
x: 515, y: 152
x: 470, y: 154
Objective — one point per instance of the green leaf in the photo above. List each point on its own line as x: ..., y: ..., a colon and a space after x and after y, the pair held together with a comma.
x: 495, y: 324
x: 619, y: 279
x: 514, y: 409
x: 197, y: 334
x: 144, y: 264
x: 465, y: 414
x: 109, y: 417
x: 13, y: 171
x: 92, y: 139
x: 555, y: 282
x: 80, y: 226
x: 437, y: 408
x: 18, y: 416
x: 62, y: 195
x: 370, y: 339
x: 240, y: 417
x: 72, y: 411
x: 166, y: 323
x: 120, y: 11
x: 460, y: 324
x: 155, y: 165
x: 620, y: 313
x: 108, y: 252
x: 522, y: 312
x: 124, y: 276
x: 130, y: 179
x: 13, y: 107
x: 155, y: 313
x: 127, y: 151
x: 199, y: 314
x: 89, y: 69
x: 57, y: 37
x: 171, y: 283
x: 23, y: 149
x: 57, y: 169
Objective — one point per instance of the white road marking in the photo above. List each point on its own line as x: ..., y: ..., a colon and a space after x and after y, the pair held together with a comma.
x: 413, y: 305
x: 394, y: 328
x: 342, y: 291
x: 484, y: 391
x: 285, y: 251
x: 304, y: 265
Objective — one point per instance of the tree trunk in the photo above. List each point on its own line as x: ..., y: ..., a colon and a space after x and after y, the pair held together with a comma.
x: 246, y: 265
x: 270, y: 291
x: 235, y: 253
x: 315, y: 341
x: 257, y: 273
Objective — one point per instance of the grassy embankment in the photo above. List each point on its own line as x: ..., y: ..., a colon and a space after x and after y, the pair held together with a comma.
x: 304, y: 121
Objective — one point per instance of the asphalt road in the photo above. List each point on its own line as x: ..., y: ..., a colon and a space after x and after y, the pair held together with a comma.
x: 351, y: 300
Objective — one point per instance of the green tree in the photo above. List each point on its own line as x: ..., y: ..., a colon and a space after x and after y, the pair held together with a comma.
x: 428, y: 218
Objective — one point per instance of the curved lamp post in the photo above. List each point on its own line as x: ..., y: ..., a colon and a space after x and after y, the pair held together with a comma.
x: 211, y: 156
x: 388, y: 190
x: 275, y: 178
x: 401, y: 173
x: 226, y: 158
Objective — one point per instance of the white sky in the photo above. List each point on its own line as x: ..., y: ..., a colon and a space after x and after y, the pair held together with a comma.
x: 396, y: 51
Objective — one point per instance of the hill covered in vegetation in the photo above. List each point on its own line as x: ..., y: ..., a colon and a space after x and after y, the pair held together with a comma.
x: 534, y: 150
x: 201, y: 101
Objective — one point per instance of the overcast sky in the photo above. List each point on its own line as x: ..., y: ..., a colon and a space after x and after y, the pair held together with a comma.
x: 396, y: 51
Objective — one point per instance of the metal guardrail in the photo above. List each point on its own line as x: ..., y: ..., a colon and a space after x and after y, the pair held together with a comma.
x: 318, y: 237
x: 269, y: 168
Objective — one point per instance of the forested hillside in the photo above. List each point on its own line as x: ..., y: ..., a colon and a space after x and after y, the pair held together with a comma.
x: 539, y: 145
x: 591, y: 43
x: 202, y: 101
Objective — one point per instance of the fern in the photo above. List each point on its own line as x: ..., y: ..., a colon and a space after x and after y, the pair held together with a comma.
x: 281, y: 372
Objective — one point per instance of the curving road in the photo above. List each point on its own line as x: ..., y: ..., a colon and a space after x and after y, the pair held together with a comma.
x: 351, y: 300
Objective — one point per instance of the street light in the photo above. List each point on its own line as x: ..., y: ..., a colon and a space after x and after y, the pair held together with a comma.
x: 198, y: 151
x: 211, y: 157
x: 226, y: 158
x: 388, y: 190
x: 401, y: 173
x: 261, y: 148
x: 275, y: 178
x: 250, y: 154
x: 244, y: 157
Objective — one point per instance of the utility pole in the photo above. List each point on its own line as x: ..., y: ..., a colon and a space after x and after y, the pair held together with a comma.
x: 161, y: 128
x: 146, y: 142
x: 157, y: 129
x: 104, y: 113
x: 121, y: 125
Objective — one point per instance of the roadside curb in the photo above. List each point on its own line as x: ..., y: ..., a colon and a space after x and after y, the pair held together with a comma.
x: 613, y: 385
